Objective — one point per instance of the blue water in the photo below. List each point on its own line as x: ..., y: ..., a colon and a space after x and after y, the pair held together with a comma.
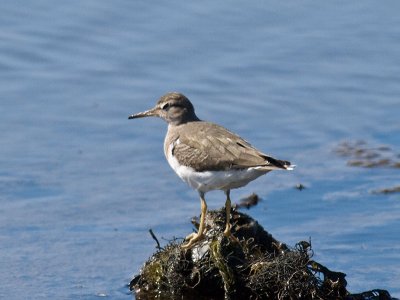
x: 80, y: 184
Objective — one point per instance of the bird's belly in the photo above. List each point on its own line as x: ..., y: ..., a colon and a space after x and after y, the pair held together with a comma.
x: 214, y: 180
x: 217, y: 180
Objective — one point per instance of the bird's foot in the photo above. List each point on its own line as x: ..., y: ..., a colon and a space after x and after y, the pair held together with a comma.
x: 192, y: 239
x: 227, y: 231
x: 229, y: 235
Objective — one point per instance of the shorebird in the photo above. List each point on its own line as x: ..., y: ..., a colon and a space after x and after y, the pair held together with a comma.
x: 207, y: 156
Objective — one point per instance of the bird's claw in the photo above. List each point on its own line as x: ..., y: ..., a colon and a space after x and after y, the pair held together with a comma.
x: 192, y: 239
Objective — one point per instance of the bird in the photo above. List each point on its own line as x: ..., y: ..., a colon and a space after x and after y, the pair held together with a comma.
x: 207, y: 156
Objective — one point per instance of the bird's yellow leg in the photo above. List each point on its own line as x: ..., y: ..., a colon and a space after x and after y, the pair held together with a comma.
x: 227, y: 231
x: 194, y: 237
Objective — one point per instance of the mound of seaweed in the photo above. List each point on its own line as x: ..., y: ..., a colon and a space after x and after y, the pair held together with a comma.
x: 252, y: 265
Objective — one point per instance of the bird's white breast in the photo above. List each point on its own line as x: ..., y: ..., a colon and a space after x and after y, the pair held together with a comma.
x: 212, y: 180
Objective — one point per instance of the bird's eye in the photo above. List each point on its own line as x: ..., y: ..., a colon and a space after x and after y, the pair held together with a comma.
x: 166, y: 106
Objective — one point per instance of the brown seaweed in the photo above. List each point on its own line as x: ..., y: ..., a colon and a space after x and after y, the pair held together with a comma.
x: 253, y: 265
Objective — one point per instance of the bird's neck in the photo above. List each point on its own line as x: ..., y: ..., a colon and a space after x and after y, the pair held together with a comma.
x: 183, y: 120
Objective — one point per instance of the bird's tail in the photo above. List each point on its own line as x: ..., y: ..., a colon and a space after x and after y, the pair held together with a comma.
x: 290, y: 167
x: 279, y: 164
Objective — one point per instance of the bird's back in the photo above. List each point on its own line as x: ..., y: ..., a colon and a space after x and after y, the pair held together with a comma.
x: 214, y: 148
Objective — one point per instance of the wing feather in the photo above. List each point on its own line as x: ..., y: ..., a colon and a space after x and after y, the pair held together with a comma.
x: 216, y: 148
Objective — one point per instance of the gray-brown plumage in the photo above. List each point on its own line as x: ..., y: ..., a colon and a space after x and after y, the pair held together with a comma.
x: 214, y: 148
x: 208, y: 156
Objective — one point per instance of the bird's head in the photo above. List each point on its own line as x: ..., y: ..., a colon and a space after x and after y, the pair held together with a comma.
x: 174, y: 108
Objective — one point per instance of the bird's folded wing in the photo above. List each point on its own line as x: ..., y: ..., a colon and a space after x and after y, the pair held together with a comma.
x: 218, y: 149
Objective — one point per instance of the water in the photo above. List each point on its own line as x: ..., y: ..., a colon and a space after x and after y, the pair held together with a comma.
x: 81, y: 185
